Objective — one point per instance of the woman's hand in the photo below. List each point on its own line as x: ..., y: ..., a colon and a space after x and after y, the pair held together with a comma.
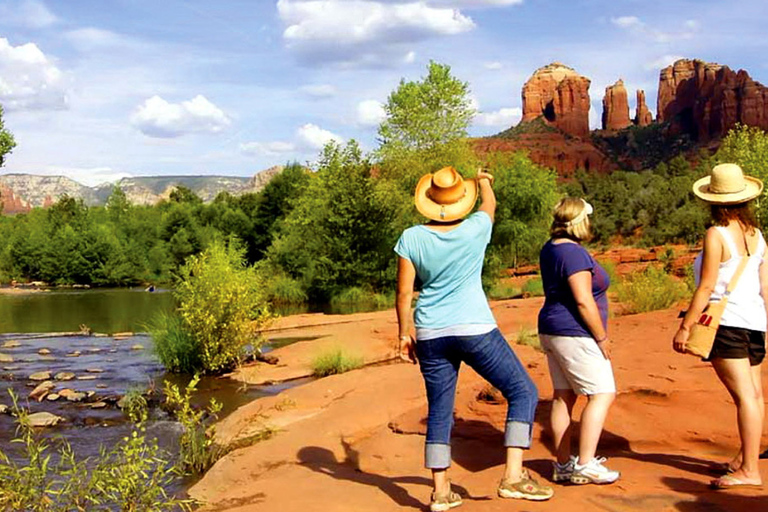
x: 605, y: 347
x: 407, y: 349
x: 484, y: 175
x: 680, y: 339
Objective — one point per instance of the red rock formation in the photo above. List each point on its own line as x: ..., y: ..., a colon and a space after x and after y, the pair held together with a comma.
x: 12, y: 204
x: 559, y: 95
x: 706, y: 100
x: 615, y: 107
x: 643, y: 116
x: 553, y: 150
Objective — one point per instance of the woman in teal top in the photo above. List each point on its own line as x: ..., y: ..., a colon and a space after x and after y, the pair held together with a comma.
x: 454, y: 324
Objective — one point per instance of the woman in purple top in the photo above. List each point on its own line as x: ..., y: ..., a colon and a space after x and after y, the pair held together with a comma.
x: 573, y: 333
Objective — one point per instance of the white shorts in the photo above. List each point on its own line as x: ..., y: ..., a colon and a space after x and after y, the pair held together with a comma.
x: 577, y: 363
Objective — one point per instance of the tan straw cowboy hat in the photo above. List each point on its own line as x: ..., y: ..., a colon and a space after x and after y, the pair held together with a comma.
x: 445, y: 196
x: 726, y: 184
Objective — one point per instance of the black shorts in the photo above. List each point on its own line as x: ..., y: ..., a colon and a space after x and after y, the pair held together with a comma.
x: 738, y: 343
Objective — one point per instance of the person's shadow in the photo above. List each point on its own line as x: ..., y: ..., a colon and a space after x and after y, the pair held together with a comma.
x: 323, y: 460
x: 703, y: 498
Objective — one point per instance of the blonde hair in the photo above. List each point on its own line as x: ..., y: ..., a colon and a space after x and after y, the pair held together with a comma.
x: 564, y: 213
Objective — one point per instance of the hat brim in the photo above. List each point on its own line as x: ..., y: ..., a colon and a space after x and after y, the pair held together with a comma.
x: 754, y: 187
x: 444, y: 213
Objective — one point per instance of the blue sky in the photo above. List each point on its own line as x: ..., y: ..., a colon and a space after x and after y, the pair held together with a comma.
x: 97, y: 90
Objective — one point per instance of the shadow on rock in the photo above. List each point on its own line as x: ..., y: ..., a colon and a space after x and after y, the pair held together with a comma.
x: 324, y: 461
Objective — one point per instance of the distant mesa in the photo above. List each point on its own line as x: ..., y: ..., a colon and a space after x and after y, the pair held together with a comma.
x: 19, y: 193
x: 643, y: 116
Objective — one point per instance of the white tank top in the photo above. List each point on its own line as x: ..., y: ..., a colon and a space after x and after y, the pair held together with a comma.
x: 745, y: 308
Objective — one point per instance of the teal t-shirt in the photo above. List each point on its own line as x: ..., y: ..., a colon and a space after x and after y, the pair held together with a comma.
x: 449, y: 265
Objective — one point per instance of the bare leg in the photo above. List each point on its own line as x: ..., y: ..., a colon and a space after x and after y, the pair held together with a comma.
x: 560, y: 421
x: 757, y: 382
x: 737, y: 376
x: 592, y: 421
x: 442, y: 484
x: 513, y: 470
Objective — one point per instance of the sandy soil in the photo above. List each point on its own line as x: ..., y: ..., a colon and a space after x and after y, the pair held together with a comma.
x: 354, y: 442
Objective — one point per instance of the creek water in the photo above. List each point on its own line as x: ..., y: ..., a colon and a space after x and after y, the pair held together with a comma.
x: 105, y: 365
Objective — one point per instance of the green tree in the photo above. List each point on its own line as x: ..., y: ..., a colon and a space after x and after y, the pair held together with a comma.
x: 748, y: 147
x: 425, y: 127
x: 7, y: 142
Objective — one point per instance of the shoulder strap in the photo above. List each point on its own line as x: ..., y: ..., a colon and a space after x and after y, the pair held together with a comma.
x: 737, y: 275
x: 728, y: 240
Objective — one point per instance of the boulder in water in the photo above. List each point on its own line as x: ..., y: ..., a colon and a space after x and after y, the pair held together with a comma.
x: 44, y: 419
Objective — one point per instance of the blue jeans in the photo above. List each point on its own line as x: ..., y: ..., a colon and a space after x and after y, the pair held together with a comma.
x: 493, y: 359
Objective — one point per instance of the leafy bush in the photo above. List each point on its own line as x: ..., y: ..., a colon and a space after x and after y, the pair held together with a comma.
x: 333, y: 362
x: 197, y: 449
x: 222, y: 307
x: 534, y: 287
x: 283, y: 289
x: 528, y: 338
x: 134, y: 404
x: 131, y: 476
x: 362, y: 298
x: 174, y: 345
x: 650, y: 290
x: 500, y: 290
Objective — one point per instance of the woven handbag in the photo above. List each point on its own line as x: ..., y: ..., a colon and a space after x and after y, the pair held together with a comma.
x: 703, y: 332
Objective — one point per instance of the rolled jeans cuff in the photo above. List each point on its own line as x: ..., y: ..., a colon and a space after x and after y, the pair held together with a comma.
x: 517, y: 434
x: 437, y: 456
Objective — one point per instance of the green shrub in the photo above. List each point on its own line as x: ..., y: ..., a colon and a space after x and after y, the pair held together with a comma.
x: 197, y: 449
x: 534, y: 287
x: 283, y: 289
x: 222, y: 308
x: 500, y: 290
x: 334, y: 361
x: 362, y: 298
x: 650, y: 290
x: 528, y: 338
x: 174, y: 345
x: 131, y: 476
x: 134, y: 405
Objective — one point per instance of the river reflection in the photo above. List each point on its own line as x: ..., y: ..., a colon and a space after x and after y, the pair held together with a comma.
x: 103, y: 310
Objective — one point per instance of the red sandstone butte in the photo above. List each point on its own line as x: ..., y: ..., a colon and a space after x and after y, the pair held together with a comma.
x: 643, y: 116
x: 11, y: 203
x: 705, y: 100
x: 561, y: 96
x: 616, y: 107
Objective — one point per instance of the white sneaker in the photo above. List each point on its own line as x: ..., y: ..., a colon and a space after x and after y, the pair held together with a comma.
x: 593, y: 472
x: 563, y: 472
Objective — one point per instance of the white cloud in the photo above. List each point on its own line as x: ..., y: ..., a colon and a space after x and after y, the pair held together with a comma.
x: 158, y: 118
x: 91, y: 38
x: 364, y: 31
x: 504, y: 117
x: 493, y: 66
x: 274, y: 148
x: 370, y: 113
x: 312, y: 136
x: 27, y: 13
x: 662, y: 62
x: 29, y: 80
x: 319, y: 90
x: 639, y: 28
x: 627, y: 21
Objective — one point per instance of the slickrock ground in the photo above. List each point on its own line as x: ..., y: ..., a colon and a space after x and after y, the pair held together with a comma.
x: 354, y: 442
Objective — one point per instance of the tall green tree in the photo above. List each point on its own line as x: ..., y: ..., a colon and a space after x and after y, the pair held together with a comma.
x: 7, y: 142
x: 425, y: 126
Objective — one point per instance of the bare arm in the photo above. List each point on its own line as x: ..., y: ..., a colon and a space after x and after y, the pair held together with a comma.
x: 581, y: 287
x: 764, y: 282
x: 713, y: 250
x: 406, y: 275
x: 487, y: 197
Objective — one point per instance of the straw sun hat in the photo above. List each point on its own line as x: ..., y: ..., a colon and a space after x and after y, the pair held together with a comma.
x: 726, y: 184
x: 445, y: 196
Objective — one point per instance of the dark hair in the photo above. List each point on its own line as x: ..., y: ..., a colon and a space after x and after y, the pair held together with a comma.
x: 743, y: 213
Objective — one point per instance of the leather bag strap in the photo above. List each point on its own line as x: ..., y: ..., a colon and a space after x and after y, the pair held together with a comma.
x: 735, y: 279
